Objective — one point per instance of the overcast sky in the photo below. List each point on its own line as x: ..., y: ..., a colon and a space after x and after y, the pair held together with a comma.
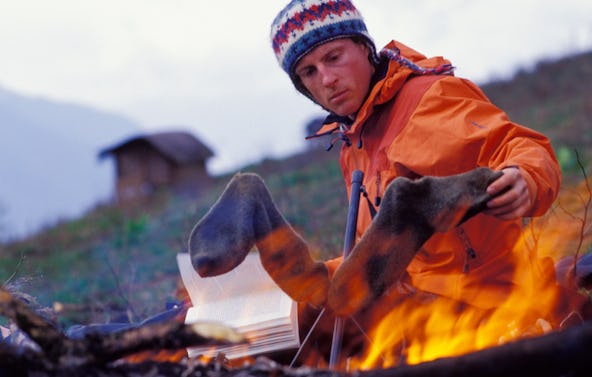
x: 208, y: 66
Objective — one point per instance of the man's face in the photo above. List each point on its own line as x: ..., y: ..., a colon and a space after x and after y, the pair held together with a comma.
x: 337, y: 74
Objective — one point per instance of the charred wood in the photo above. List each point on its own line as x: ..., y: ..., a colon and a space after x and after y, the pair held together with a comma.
x: 559, y: 353
x: 58, y: 352
x: 562, y: 353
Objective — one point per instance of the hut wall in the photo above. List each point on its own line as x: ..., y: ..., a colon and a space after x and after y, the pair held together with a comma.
x: 142, y: 170
x: 191, y: 178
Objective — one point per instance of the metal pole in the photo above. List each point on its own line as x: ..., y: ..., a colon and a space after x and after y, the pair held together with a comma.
x: 348, y: 244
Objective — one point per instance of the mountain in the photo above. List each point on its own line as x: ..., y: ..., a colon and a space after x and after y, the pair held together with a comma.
x: 49, y: 168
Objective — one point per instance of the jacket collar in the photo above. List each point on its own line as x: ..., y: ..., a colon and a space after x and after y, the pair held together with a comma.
x: 388, y: 79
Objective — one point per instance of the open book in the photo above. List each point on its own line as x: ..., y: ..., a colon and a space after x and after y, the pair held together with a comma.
x: 248, y: 300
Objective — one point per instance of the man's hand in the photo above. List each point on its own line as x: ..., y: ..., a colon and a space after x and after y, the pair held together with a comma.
x: 511, y: 197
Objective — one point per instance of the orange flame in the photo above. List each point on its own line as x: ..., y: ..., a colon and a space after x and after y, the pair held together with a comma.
x: 422, y: 327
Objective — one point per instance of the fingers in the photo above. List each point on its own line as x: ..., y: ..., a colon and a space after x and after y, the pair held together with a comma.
x: 511, y: 198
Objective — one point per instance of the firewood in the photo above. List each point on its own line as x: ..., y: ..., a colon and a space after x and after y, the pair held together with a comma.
x: 559, y: 353
x: 59, y: 351
x: 103, y: 348
x: 39, y: 329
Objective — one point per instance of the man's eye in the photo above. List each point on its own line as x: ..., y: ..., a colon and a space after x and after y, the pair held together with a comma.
x: 333, y: 57
x: 307, y: 72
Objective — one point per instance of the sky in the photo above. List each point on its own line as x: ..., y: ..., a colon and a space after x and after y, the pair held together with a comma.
x: 208, y: 67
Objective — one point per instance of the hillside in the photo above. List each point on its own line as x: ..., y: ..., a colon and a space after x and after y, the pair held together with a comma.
x: 556, y: 99
x: 110, y: 265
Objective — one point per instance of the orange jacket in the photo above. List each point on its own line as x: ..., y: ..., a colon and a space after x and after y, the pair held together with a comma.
x: 440, y: 126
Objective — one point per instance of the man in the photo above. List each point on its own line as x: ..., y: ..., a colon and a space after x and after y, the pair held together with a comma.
x: 401, y: 114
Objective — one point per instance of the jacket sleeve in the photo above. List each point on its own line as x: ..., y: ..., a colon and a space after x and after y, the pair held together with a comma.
x: 458, y: 128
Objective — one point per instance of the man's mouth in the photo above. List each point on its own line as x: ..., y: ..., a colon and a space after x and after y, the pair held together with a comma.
x: 338, y: 97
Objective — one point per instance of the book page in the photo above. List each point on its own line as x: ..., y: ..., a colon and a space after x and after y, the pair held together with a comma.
x: 246, y: 299
x: 239, y: 311
x: 249, y: 276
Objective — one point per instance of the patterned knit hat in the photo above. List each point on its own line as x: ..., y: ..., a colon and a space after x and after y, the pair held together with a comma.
x: 304, y: 24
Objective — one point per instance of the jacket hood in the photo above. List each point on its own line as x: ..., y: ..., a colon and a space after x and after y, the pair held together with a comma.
x: 398, y: 73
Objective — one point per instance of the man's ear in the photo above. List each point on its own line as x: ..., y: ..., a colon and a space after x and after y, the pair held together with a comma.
x: 370, y: 51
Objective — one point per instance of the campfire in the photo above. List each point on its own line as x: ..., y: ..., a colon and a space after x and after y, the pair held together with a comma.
x: 428, y: 328
x: 155, y: 350
x: 543, y: 329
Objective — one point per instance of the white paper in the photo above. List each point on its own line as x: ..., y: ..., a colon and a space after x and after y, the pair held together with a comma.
x: 245, y: 298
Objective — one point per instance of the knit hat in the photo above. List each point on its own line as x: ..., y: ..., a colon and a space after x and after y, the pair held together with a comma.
x: 304, y: 24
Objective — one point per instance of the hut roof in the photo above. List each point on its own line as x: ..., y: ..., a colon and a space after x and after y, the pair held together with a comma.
x: 180, y: 146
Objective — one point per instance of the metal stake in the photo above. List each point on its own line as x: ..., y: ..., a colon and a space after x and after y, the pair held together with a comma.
x: 348, y: 244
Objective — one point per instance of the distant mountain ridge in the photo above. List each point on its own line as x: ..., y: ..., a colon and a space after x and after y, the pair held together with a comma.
x: 48, y: 160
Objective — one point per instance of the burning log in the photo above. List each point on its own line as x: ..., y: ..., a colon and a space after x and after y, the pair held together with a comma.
x: 558, y: 353
x: 58, y: 352
x: 562, y: 353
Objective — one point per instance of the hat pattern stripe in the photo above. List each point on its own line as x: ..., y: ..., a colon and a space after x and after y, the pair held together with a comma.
x: 325, y: 33
x: 299, y: 20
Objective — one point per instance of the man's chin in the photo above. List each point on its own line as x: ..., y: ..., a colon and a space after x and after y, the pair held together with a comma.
x: 343, y: 110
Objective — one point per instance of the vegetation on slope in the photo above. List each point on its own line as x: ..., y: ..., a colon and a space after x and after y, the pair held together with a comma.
x: 555, y: 99
x: 112, y: 265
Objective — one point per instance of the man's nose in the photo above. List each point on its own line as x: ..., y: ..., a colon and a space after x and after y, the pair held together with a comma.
x: 328, y: 77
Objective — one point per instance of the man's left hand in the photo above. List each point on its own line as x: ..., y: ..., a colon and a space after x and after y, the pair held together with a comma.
x: 511, y: 197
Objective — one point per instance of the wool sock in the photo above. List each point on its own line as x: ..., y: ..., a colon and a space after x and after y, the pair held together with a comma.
x: 245, y: 216
x: 410, y: 212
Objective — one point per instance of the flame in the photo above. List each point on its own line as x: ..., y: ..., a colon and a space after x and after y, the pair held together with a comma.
x: 159, y: 356
x: 422, y: 327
